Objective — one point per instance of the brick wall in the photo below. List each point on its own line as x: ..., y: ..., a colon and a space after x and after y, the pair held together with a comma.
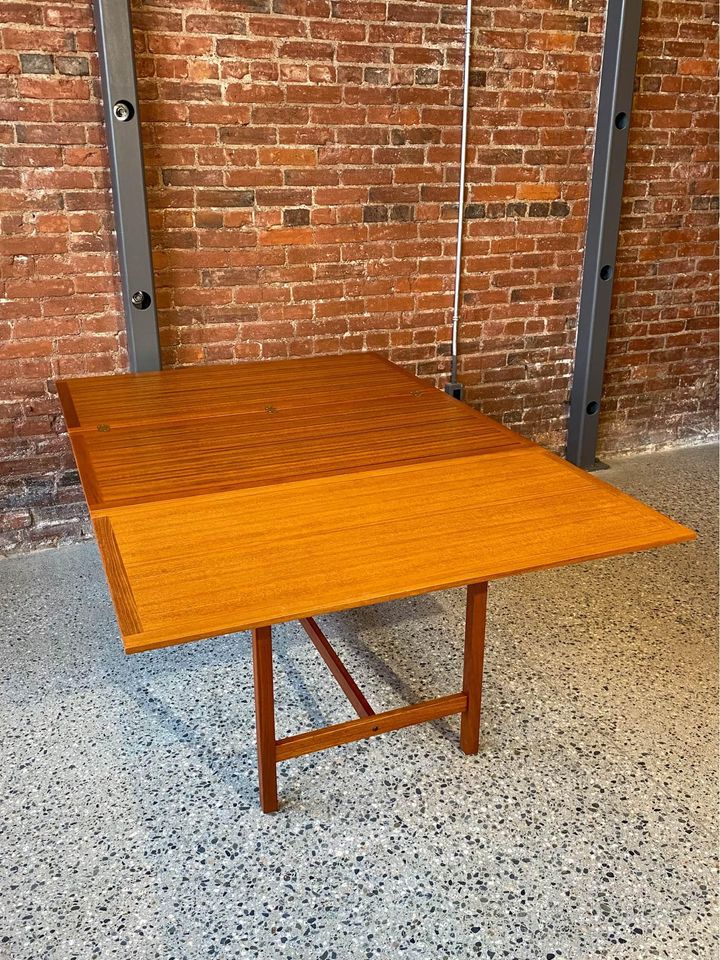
x: 302, y: 168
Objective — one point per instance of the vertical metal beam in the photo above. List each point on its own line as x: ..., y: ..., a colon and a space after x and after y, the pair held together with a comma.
x: 622, y: 32
x: 122, y: 121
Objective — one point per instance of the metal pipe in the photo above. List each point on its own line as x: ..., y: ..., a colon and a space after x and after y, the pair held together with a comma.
x: 454, y: 387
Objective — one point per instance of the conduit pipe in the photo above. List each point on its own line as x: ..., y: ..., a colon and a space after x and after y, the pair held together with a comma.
x: 454, y: 388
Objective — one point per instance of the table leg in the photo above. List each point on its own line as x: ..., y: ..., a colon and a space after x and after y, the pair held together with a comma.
x: 265, y: 718
x: 475, y: 618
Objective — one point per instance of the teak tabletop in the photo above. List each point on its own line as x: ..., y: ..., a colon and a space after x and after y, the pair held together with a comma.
x: 228, y: 498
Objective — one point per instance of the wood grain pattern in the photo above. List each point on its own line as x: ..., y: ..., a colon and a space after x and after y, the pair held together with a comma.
x: 120, y: 589
x: 360, y: 484
x: 86, y: 469
x: 65, y: 395
x: 193, y: 393
x: 235, y: 560
x: 360, y: 729
x: 138, y: 464
x: 265, y: 718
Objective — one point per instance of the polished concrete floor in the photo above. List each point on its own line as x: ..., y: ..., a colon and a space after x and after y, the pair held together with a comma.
x: 587, y: 826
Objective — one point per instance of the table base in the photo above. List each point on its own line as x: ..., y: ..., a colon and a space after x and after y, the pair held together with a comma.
x: 369, y: 724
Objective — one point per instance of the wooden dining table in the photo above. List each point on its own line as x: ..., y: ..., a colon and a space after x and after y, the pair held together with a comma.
x: 234, y: 497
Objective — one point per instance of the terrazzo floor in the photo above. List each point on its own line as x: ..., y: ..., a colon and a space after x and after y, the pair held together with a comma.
x: 587, y: 826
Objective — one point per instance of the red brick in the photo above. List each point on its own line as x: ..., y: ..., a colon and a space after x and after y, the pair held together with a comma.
x: 53, y: 88
x: 250, y: 117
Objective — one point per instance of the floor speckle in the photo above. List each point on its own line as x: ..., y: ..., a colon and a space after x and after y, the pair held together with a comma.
x: 587, y: 826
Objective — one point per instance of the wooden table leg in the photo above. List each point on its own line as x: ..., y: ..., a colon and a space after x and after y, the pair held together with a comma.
x: 475, y: 618
x: 265, y: 718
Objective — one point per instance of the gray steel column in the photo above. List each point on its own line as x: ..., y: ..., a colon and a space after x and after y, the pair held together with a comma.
x: 622, y: 32
x: 122, y: 121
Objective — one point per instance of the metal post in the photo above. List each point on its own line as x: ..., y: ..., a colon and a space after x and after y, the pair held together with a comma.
x: 122, y: 121
x: 622, y: 32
